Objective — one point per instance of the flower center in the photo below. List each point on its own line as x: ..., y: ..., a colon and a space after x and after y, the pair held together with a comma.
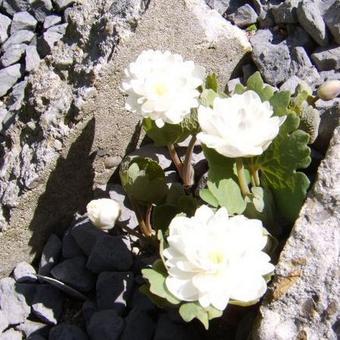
x: 160, y: 89
x: 216, y: 257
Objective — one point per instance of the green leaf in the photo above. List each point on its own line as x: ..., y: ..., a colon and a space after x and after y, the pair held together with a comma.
x: 156, y: 277
x: 171, y: 133
x: 207, y: 97
x: 187, y: 204
x: 156, y: 300
x: 255, y: 83
x: 239, y: 89
x: 280, y: 102
x: 211, y: 82
x: 162, y: 215
x: 208, y: 197
x: 143, y: 180
x: 223, y: 183
x: 279, y: 164
x: 192, y: 310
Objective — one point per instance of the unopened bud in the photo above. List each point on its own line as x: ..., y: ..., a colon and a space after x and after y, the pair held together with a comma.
x: 329, y: 90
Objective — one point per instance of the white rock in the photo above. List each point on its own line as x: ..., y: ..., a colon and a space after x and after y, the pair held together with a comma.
x: 51, y: 20
x: 23, y: 21
x: 19, y: 37
x: 5, y: 21
x: 12, y: 54
x: 9, y: 76
x: 24, y: 272
x: 32, y: 58
x: 303, y: 301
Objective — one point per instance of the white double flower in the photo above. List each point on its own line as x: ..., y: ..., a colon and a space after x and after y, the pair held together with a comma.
x: 214, y: 259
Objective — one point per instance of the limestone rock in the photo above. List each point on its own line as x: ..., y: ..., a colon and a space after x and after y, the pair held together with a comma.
x: 19, y: 37
x: 9, y: 76
x: 11, y: 334
x: 310, y: 19
x: 24, y: 272
x: 285, y: 12
x: 12, y: 302
x: 273, y: 60
x: 32, y: 58
x: 243, y: 16
x: 3, y: 321
x: 41, y: 8
x: 12, y: 54
x: 5, y: 21
x: 220, y: 6
x: 23, y: 21
x: 51, y: 20
x: 62, y: 4
x: 327, y: 59
x: 303, y: 300
x: 332, y: 19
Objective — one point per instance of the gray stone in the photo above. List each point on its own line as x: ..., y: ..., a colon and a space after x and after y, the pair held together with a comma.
x: 327, y: 59
x: 51, y: 20
x: 36, y: 337
x: 41, y: 8
x: 3, y: 321
x: 70, y: 246
x: 86, y: 235
x: 113, y: 290
x: 232, y: 84
x: 50, y: 255
x: 12, y: 54
x: 52, y: 36
x: 47, y: 304
x: 303, y: 300
x: 220, y: 6
x: 23, y: 21
x: 32, y: 328
x: 297, y: 36
x: 13, y: 303
x: 141, y: 301
x: 302, y: 67
x: 24, y: 272
x: 5, y: 21
x: 32, y: 58
x: 310, y: 19
x: 62, y: 4
x: 17, y: 96
x: 127, y: 215
x: 13, y: 6
x: 74, y: 273
x: 273, y: 60
x: 243, y: 16
x: 9, y: 76
x: 285, y: 12
x: 291, y: 83
x: 138, y: 325
x: 110, y: 253
x: 332, y: 20
x: 67, y: 332
x: 19, y: 37
x: 105, y: 324
x: 11, y: 334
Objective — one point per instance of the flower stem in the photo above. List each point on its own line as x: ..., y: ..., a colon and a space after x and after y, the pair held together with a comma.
x: 255, y: 179
x: 188, y: 170
x: 148, y: 220
x: 142, y: 224
x: 177, y: 161
x: 241, y: 177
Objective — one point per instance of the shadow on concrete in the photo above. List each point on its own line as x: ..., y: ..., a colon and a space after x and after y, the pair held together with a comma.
x: 68, y: 189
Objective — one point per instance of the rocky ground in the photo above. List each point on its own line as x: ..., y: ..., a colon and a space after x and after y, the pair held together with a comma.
x: 293, y: 41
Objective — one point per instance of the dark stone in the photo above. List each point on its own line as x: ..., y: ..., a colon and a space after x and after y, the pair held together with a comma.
x: 106, y: 324
x: 32, y: 328
x: 73, y: 272
x: 138, y: 326
x: 110, y: 253
x: 86, y: 235
x: 47, y: 304
x: 168, y: 329
x: 114, y: 290
x: 88, y: 309
x: 67, y: 332
x: 50, y: 255
x: 332, y: 20
x: 141, y: 301
x: 285, y: 12
x: 70, y: 246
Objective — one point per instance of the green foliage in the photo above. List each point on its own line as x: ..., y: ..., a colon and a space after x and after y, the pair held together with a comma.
x: 256, y: 84
x: 251, y: 28
x: 211, y: 82
x: 310, y: 122
x: 171, y: 133
x: 192, y: 310
x: 156, y: 278
x: 223, y: 187
x: 279, y: 164
x: 207, y: 97
x: 143, y: 180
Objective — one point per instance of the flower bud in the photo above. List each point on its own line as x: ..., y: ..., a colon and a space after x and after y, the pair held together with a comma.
x: 103, y: 213
x: 329, y: 90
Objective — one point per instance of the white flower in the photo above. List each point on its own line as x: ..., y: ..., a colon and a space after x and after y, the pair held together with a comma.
x: 162, y: 86
x: 103, y: 213
x: 239, y: 126
x: 213, y: 258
